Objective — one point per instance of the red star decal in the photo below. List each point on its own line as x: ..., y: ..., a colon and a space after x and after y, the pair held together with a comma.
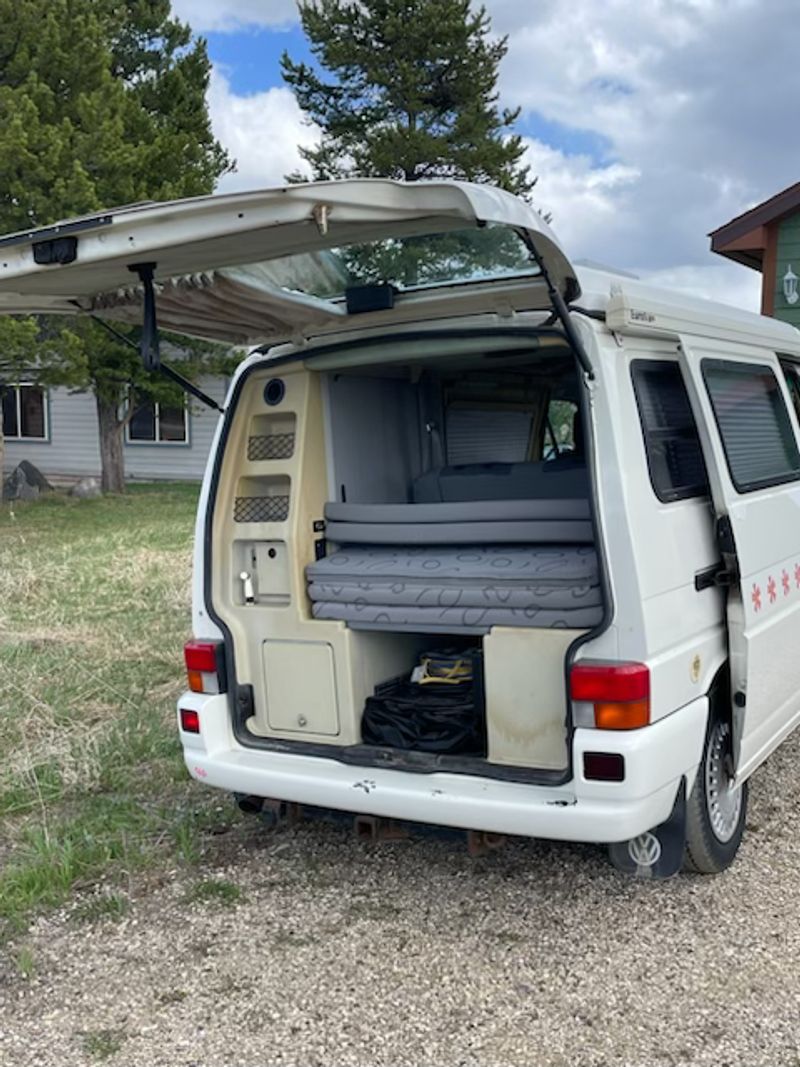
x: 797, y: 575
x: 755, y: 596
x: 785, y: 583
x: 772, y: 590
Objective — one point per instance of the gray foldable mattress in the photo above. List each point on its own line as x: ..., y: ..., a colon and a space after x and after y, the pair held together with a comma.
x: 554, y: 521
x: 457, y: 589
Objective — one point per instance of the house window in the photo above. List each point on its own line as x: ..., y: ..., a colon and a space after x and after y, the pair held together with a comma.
x: 154, y: 423
x: 24, y: 412
x: 674, y: 455
x: 753, y: 423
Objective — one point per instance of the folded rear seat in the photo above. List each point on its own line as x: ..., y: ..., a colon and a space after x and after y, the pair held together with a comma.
x: 559, y: 478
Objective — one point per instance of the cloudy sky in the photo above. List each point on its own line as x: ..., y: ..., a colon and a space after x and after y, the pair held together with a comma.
x: 649, y: 122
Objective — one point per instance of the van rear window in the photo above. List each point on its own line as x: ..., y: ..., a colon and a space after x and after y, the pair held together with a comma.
x: 753, y: 422
x: 674, y: 456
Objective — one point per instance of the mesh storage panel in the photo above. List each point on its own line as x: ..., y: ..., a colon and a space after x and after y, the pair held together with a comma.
x: 261, y: 509
x: 271, y: 446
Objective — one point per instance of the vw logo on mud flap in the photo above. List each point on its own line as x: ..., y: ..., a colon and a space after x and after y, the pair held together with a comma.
x: 645, y: 850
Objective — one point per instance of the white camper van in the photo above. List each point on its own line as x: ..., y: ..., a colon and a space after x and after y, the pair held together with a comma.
x: 485, y: 540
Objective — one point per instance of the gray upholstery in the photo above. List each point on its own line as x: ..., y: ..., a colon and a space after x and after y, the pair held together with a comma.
x: 554, y: 479
x: 460, y: 511
x: 563, y: 521
x: 572, y: 532
x: 458, y: 590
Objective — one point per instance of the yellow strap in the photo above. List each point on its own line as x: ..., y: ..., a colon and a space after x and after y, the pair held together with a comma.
x: 461, y: 671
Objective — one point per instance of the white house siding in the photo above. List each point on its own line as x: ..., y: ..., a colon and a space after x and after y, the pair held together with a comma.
x: 73, y: 451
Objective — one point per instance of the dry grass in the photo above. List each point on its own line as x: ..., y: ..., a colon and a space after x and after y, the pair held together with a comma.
x: 94, y: 609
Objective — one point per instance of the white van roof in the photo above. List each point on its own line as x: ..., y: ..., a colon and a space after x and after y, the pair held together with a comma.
x: 636, y: 307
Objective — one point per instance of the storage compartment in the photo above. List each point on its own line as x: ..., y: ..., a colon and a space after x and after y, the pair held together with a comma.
x: 272, y: 437
x: 438, y: 708
x: 262, y: 499
x: 300, y: 683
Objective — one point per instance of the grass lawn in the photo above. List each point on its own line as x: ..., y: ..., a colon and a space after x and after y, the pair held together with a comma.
x: 94, y: 610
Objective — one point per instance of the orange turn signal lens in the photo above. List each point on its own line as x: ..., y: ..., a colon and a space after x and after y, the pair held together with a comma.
x: 195, y: 679
x: 622, y: 715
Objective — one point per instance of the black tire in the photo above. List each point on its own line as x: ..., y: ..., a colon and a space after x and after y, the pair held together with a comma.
x: 715, y: 814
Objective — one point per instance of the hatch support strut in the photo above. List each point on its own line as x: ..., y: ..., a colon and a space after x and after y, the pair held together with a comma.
x: 561, y: 311
x: 163, y: 368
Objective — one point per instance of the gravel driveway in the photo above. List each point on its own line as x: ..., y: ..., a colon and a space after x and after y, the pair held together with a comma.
x: 343, y: 953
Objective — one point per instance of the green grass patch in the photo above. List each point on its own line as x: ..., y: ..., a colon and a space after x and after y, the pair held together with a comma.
x: 101, y: 908
x: 26, y: 963
x: 94, y: 610
x: 100, y: 1044
x: 214, y: 891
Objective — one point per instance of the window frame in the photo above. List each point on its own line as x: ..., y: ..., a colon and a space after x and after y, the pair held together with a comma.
x: 721, y: 363
x: 136, y: 442
x: 790, y: 368
x: 19, y: 436
x: 695, y: 492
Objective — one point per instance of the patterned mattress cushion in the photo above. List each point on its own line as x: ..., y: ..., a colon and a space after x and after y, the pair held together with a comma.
x: 458, y: 588
x: 453, y: 620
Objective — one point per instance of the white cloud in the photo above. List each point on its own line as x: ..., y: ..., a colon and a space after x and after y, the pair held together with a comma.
x: 583, y: 199
x: 726, y: 282
x: 205, y: 16
x: 694, y: 100
x: 262, y: 132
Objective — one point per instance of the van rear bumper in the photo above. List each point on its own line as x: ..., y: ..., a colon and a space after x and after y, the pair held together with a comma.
x: 657, y: 757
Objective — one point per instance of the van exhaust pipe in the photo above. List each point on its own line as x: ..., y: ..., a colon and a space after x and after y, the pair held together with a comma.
x: 250, y: 805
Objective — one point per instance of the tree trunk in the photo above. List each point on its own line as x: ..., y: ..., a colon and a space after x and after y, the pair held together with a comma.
x: 112, y: 458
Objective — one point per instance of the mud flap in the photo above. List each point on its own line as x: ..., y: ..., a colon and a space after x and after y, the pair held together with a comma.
x: 657, y: 853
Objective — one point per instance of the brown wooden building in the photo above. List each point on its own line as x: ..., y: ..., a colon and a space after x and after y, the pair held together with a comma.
x: 767, y: 238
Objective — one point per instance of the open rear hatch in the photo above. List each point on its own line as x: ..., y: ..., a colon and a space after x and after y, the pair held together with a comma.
x: 245, y: 267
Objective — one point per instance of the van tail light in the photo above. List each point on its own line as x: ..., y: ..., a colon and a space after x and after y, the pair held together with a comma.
x: 619, y: 692
x: 205, y: 666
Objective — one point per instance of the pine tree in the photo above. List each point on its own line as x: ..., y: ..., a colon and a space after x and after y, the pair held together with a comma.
x: 410, y: 92
x: 102, y: 102
x: 407, y: 89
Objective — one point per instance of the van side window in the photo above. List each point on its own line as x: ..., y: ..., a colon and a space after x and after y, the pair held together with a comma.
x: 674, y: 456
x: 753, y: 422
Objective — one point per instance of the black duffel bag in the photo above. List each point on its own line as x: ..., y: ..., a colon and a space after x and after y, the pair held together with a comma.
x: 427, y: 718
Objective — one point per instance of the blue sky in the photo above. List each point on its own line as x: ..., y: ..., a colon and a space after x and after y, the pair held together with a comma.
x: 252, y: 56
x: 636, y: 114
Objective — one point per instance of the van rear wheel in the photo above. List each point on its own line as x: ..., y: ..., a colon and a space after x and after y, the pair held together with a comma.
x: 717, y: 807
